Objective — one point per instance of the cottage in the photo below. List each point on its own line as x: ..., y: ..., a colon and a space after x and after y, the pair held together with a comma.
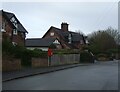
x: 60, y: 38
x: 68, y: 39
x: 12, y: 29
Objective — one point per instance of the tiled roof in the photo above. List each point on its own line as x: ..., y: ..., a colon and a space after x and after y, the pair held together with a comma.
x: 9, y: 16
x: 39, y: 42
x: 75, y: 36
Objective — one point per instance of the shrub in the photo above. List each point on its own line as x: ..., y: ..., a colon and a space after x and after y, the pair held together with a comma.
x: 104, y: 57
x: 86, y: 57
x: 39, y: 53
x: 52, y: 46
x: 26, y: 57
x: 66, y: 51
x: 21, y: 52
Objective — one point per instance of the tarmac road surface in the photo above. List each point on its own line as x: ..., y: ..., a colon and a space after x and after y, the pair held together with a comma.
x: 98, y: 76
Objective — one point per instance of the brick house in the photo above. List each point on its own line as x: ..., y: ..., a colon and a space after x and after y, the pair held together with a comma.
x: 12, y: 29
x: 61, y: 38
x: 68, y: 39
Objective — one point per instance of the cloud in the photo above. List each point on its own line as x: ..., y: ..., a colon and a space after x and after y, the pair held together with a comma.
x: 37, y: 17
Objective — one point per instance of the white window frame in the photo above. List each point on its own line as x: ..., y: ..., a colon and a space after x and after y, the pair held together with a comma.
x: 3, y: 30
x: 52, y: 34
x: 14, y: 21
x: 70, y: 38
x: 3, y: 27
x: 15, y: 32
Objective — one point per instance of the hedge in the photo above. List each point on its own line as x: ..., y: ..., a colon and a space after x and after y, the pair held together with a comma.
x: 86, y: 57
x: 21, y: 52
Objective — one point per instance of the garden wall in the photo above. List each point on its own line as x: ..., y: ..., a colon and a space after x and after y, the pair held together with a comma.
x: 39, y: 62
x: 11, y: 65
x: 56, y: 60
x: 65, y: 59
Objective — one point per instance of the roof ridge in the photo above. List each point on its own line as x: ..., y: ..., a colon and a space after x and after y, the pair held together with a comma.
x: 39, y: 38
x: 55, y: 27
x: 9, y: 15
x: 8, y: 12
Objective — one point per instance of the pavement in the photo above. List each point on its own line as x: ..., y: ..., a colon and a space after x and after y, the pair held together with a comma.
x: 26, y: 72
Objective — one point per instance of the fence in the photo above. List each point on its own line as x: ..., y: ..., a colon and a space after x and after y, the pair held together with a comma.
x: 64, y: 59
x: 56, y: 60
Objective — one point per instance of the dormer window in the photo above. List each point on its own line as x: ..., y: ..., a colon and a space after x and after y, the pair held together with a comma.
x: 52, y: 34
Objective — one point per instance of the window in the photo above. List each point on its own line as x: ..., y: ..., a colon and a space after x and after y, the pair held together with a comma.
x: 15, y: 31
x: 14, y: 21
x: 52, y: 34
x: 3, y: 30
x: 3, y: 27
x: 56, y: 42
x: 70, y: 38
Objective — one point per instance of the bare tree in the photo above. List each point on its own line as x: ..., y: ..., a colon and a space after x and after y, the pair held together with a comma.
x: 80, y: 32
x: 114, y: 33
x: 101, y: 41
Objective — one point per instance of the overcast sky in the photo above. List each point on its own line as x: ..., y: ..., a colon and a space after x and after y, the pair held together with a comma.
x: 87, y: 17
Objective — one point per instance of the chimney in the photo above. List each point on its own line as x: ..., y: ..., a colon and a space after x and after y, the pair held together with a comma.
x: 64, y: 26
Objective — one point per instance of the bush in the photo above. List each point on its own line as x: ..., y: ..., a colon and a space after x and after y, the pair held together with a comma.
x: 39, y: 53
x: 66, y: 51
x: 21, y: 52
x: 52, y: 46
x: 104, y: 56
x: 26, y: 57
x: 86, y: 57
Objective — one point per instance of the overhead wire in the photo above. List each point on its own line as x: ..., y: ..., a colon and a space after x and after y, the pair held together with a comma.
x: 101, y: 17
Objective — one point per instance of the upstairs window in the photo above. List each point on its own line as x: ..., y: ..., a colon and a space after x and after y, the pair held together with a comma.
x: 14, y: 21
x: 70, y: 38
x: 3, y: 26
x: 15, y: 31
x: 52, y: 34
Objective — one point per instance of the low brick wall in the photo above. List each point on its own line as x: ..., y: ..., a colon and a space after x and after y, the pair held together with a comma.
x: 65, y: 59
x: 56, y: 60
x: 39, y: 62
x: 11, y: 65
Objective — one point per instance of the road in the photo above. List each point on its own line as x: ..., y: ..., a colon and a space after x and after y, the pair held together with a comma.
x: 98, y: 76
